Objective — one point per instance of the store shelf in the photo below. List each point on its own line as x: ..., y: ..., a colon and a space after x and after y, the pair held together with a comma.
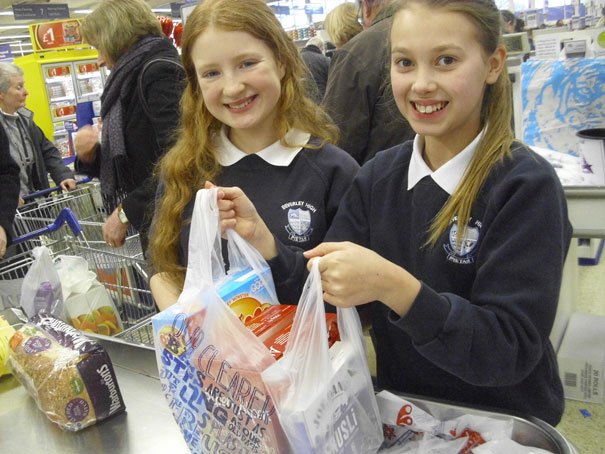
x: 62, y: 98
x: 89, y: 76
x: 58, y: 79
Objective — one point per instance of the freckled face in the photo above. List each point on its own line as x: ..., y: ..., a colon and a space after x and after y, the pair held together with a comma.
x: 439, y: 78
x: 240, y: 80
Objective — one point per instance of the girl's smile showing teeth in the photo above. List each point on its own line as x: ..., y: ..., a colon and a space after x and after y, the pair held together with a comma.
x: 430, y: 108
x: 241, y: 104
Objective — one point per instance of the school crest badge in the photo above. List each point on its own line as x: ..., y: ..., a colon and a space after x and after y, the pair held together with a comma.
x: 463, y: 252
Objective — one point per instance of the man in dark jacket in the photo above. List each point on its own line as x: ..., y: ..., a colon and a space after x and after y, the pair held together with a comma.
x: 35, y: 155
x: 358, y: 95
x: 9, y: 190
x: 318, y: 64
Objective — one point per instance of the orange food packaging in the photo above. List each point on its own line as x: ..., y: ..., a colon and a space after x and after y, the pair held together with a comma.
x: 94, y: 312
x: 245, y: 292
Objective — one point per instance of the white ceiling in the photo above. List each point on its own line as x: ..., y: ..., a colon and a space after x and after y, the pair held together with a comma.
x: 19, y: 38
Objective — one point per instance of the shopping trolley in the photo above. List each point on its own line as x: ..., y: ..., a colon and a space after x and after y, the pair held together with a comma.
x: 42, y: 208
x: 122, y: 271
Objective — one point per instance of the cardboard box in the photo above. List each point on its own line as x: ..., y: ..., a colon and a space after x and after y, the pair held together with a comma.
x: 245, y: 293
x: 581, y: 358
x: 94, y: 311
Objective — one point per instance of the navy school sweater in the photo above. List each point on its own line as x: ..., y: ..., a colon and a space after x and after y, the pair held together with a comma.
x: 297, y: 202
x: 478, y: 332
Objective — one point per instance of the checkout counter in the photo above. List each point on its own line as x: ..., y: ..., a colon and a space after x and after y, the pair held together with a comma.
x: 586, y: 208
x: 148, y: 427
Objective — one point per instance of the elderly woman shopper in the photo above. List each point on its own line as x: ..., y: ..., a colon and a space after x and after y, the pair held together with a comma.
x: 35, y: 155
x: 139, y: 112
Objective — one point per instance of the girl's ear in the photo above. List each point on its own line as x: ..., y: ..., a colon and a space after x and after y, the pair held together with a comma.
x: 496, y: 63
x: 282, y: 70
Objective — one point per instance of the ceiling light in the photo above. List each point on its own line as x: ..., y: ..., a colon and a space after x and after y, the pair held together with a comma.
x: 14, y: 27
x: 82, y: 11
x: 14, y: 37
x: 161, y: 10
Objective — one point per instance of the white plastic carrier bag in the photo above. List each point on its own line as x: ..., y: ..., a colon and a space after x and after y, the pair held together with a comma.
x: 41, y: 289
x: 89, y: 305
x: 210, y: 363
x: 324, y: 396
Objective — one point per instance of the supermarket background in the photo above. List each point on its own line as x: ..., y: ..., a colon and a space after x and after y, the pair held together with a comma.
x: 554, y: 99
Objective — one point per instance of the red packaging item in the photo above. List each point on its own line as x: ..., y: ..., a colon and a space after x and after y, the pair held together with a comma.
x: 276, y: 340
x: 272, y: 319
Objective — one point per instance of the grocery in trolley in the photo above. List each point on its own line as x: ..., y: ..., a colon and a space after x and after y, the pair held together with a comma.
x: 105, y: 290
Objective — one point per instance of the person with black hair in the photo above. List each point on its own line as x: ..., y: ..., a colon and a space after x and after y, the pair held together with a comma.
x: 508, y: 21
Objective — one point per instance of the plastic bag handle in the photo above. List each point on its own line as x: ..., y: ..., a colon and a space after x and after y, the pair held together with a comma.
x: 205, y: 263
x: 309, y: 333
x: 241, y: 254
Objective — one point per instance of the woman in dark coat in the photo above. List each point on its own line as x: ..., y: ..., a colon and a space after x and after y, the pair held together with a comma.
x: 9, y: 188
x: 139, y: 113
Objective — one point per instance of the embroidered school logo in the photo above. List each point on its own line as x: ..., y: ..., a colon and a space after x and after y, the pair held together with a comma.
x: 299, y: 220
x: 464, y: 252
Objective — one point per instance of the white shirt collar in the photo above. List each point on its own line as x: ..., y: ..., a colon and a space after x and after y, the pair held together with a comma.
x: 275, y: 154
x: 447, y: 176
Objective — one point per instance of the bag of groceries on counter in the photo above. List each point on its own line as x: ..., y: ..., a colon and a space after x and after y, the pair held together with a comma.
x: 324, y: 396
x: 70, y: 377
x: 88, y: 304
x: 41, y: 289
x: 210, y: 363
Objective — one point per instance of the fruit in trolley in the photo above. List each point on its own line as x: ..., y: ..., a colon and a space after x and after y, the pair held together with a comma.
x: 100, y: 321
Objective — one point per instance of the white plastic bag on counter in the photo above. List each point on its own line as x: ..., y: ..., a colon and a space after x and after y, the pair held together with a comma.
x: 88, y: 304
x: 324, y: 397
x: 41, y: 291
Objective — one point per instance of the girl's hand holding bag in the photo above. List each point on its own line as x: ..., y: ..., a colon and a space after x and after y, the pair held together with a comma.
x: 324, y: 397
x: 210, y: 363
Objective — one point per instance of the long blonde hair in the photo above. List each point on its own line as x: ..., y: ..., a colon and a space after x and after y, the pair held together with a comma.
x: 193, y: 159
x: 496, y: 112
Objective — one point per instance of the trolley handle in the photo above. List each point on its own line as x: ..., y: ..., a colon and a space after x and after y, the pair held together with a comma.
x: 66, y: 216
x: 45, y: 192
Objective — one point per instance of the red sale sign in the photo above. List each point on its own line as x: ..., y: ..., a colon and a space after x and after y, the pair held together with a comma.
x: 56, y: 35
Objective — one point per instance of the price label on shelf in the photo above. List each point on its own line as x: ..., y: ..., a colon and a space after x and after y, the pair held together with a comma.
x: 64, y: 111
x: 86, y: 68
x: 58, y: 71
